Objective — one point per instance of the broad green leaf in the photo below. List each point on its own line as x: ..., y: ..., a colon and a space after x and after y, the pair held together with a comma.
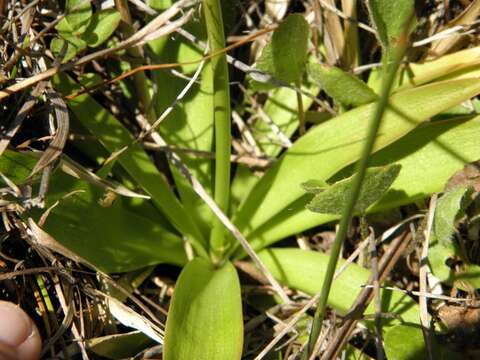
x: 285, y: 56
x: 281, y: 108
x: 420, y: 73
x: 428, y: 155
x: 79, y: 13
x: 450, y: 207
x: 243, y: 182
x: 440, y: 256
x: 190, y: 124
x: 101, y: 27
x: 335, y: 144
x: 458, y: 65
x: 113, y: 136
x: 64, y: 27
x: 204, y: 320
x: 303, y: 270
x: 16, y: 166
x: 73, y: 47
x: 405, y: 343
x: 113, y: 238
x: 333, y: 199
x: 343, y: 87
x: 390, y: 19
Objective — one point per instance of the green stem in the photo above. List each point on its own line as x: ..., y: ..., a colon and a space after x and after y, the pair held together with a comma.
x: 221, y: 100
x: 347, y: 215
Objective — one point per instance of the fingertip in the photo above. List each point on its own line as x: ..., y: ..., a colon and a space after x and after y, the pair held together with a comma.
x: 18, y: 332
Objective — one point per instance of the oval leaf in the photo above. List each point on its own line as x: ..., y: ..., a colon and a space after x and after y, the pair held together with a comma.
x: 73, y: 46
x: 343, y: 87
x: 115, y: 238
x: 428, y: 155
x: 390, y: 18
x: 303, y: 270
x: 337, y: 143
x: 405, y: 343
x: 333, y: 199
x: 78, y: 16
x: 135, y: 161
x: 101, y: 27
x: 450, y: 207
x: 285, y: 56
x: 205, y: 317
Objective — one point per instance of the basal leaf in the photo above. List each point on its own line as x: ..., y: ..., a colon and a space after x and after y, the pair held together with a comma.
x: 114, y: 136
x: 190, y: 124
x: 64, y: 26
x: 420, y: 73
x: 204, y: 321
x: 101, y: 27
x: 335, y: 144
x: 282, y: 108
x: 333, y: 199
x: 450, y: 207
x: 303, y: 270
x: 428, y: 155
x: 113, y: 238
x: 286, y: 55
x: 343, y: 87
x: 16, y: 166
x: 243, y: 181
x: 405, y: 343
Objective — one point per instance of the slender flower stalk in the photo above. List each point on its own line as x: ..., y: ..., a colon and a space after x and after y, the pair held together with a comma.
x: 388, y: 80
x: 221, y: 100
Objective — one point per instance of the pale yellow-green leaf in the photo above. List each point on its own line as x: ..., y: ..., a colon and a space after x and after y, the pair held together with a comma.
x: 204, y: 320
x: 337, y: 143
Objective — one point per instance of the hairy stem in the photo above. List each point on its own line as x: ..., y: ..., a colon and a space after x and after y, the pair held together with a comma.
x: 390, y: 73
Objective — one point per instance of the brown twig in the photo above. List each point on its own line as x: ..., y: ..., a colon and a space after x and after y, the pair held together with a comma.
x: 135, y: 39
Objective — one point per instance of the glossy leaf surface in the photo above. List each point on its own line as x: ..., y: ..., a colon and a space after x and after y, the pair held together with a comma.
x: 341, y: 139
x: 428, y: 155
x: 114, y: 238
x: 303, y: 270
x: 205, y: 317
x: 114, y: 136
